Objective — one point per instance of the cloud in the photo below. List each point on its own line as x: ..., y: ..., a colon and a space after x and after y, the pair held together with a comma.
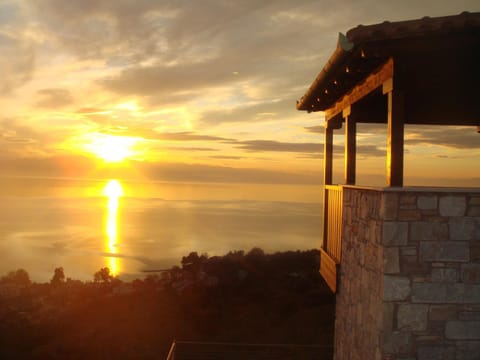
x: 149, y: 134
x: 178, y: 148
x: 161, y: 78
x: 262, y: 111
x: 17, y: 59
x: 218, y: 68
x: 460, y: 138
x: 90, y: 110
x: 371, y: 151
x: 277, y: 146
x: 13, y: 135
x: 54, y: 98
x: 185, y: 136
x: 119, y: 32
x: 318, y: 129
x: 226, y: 157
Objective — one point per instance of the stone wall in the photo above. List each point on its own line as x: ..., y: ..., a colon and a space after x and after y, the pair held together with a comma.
x: 410, y: 275
x: 359, y: 320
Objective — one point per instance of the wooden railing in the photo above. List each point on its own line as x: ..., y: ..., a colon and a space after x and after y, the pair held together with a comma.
x: 331, y: 250
x: 332, y: 243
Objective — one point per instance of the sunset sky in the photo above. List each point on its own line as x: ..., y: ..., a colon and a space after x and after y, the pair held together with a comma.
x: 192, y: 90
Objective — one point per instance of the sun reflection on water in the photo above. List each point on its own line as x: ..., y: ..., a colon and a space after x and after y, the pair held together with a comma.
x: 113, y: 190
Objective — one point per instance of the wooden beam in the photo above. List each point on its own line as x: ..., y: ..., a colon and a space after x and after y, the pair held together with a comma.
x: 395, y: 143
x: 371, y: 83
x: 335, y: 122
x: 350, y: 147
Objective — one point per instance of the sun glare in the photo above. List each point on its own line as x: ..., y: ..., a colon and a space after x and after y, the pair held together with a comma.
x: 113, y: 191
x: 112, y: 148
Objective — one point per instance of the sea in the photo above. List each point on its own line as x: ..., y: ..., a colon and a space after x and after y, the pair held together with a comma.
x: 135, y: 227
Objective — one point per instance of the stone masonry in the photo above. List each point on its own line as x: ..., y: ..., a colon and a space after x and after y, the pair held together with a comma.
x: 409, y: 283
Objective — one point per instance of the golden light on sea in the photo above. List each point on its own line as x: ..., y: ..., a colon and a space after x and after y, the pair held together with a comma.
x: 113, y: 190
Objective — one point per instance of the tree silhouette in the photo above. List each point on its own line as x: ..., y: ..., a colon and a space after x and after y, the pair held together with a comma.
x: 103, y: 276
x: 19, y: 277
x: 58, y: 276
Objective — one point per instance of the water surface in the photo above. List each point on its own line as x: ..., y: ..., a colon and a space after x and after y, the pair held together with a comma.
x: 78, y: 224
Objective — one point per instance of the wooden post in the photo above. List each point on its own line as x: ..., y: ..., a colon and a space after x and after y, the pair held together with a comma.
x: 350, y: 146
x: 327, y: 177
x: 395, y: 148
x: 328, y: 155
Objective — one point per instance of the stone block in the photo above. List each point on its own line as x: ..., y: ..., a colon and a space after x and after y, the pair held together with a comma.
x: 469, y: 315
x: 391, y: 263
x: 408, y: 251
x: 444, y: 275
x: 452, y: 251
x: 462, y: 330
x: 396, y: 288
x: 436, y: 353
x: 452, y: 205
x: 470, y: 273
x: 448, y: 293
x: 472, y: 307
x: 408, y: 199
x: 443, y: 312
x: 409, y: 265
x: 427, y: 202
x: 475, y: 250
x: 432, y: 293
x: 471, y: 293
x: 467, y: 350
x: 412, y: 317
x: 473, y: 211
x: 397, y: 342
x: 395, y: 233
x: 431, y: 215
x: 464, y: 228
x: 436, y: 328
x: 389, y: 206
x: 474, y: 200
x: 409, y: 215
x: 427, y: 230
x: 429, y: 339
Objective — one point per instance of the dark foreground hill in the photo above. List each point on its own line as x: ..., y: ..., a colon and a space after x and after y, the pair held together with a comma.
x: 238, y: 297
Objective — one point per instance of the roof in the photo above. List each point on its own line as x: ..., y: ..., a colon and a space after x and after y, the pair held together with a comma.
x: 191, y: 350
x: 449, y: 45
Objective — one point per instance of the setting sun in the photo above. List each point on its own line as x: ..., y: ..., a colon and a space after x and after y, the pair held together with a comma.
x: 113, y: 189
x: 112, y: 148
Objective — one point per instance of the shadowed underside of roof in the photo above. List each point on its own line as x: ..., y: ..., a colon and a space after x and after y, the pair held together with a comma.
x: 435, y: 61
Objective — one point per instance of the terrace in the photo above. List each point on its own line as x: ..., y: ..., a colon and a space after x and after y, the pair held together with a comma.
x: 399, y: 257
